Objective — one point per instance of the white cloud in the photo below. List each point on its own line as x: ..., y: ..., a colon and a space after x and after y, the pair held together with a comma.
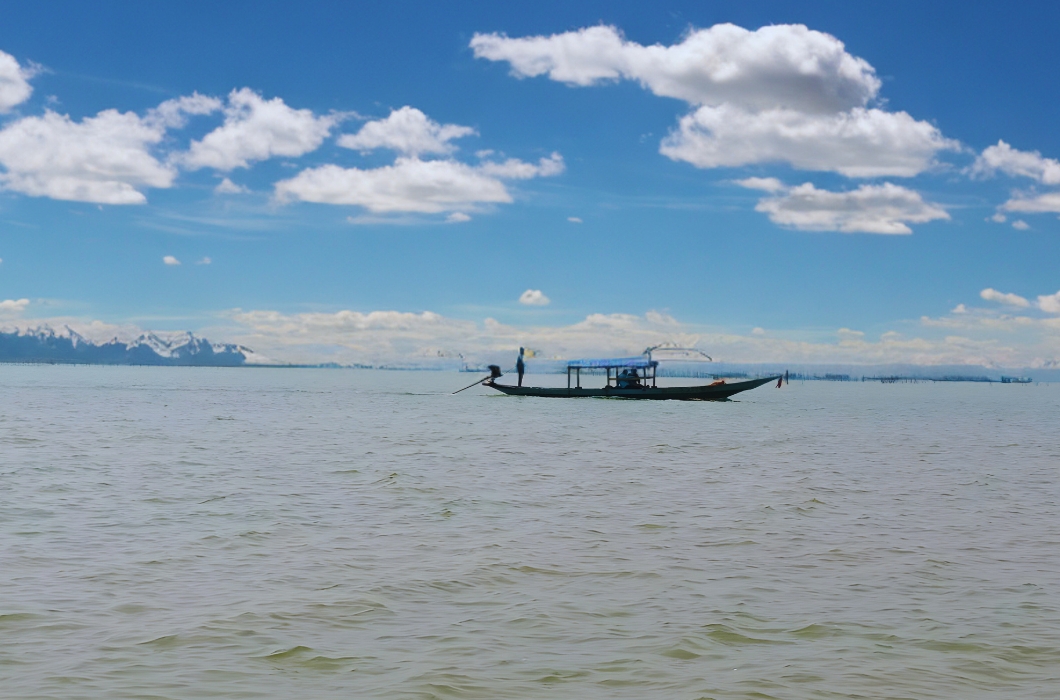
x: 574, y: 219
x: 170, y: 260
x: 226, y: 186
x: 408, y: 131
x: 257, y: 129
x: 779, y: 65
x: 1016, y: 300
x: 173, y: 114
x: 412, y: 185
x: 782, y: 93
x: 857, y: 143
x: 1020, y: 225
x: 998, y: 218
x: 205, y: 260
x: 515, y: 169
x: 884, y: 209
x: 14, y: 82
x: 1049, y: 303
x: 1006, y: 159
x: 1048, y: 203
x: 104, y: 159
x: 534, y: 297
x: 766, y: 184
x: 13, y: 306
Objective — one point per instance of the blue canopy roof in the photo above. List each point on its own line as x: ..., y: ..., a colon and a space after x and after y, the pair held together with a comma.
x: 638, y: 362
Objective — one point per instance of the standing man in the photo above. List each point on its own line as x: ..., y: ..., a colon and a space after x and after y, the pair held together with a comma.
x: 520, y: 366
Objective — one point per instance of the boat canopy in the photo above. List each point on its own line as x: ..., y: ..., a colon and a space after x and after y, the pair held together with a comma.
x: 638, y: 362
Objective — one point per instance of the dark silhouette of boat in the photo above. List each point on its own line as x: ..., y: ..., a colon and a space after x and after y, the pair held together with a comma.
x: 627, y: 378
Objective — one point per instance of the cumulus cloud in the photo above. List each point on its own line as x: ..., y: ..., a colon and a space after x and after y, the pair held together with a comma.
x: 782, y: 93
x: 857, y: 143
x: 256, y: 129
x: 765, y: 184
x: 534, y: 297
x: 104, y: 159
x: 1048, y: 203
x: 1049, y: 303
x: 1020, y: 225
x: 226, y: 186
x: 884, y: 209
x: 173, y: 114
x: 14, y: 82
x: 574, y: 219
x: 1016, y: 300
x: 408, y: 131
x: 515, y: 169
x: 13, y: 306
x: 170, y: 260
x: 412, y: 185
x: 779, y: 65
x: 1010, y: 161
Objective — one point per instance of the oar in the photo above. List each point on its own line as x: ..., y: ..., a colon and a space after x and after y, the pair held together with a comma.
x: 471, y: 385
x: 495, y: 372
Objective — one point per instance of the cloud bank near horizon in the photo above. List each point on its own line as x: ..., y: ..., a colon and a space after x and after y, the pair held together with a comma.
x: 1022, y: 334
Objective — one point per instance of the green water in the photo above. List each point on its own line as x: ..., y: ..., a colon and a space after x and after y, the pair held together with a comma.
x: 189, y: 533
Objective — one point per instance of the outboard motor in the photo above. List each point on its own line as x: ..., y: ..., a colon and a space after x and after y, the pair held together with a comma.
x: 495, y: 373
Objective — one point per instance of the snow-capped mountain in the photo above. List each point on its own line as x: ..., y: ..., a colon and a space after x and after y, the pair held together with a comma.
x: 43, y: 343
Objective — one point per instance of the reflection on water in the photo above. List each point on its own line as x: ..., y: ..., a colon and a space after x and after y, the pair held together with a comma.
x: 182, y: 533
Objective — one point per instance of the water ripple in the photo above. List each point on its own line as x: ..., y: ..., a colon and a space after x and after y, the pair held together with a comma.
x: 181, y: 533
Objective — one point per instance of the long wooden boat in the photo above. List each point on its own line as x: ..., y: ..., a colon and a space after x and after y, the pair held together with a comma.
x: 709, y: 392
x: 627, y: 378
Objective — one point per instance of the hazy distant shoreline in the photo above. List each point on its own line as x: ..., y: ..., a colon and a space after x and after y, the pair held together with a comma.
x: 796, y: 372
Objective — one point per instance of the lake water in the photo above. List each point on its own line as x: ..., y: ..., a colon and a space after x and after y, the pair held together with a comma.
x: 249, y: 533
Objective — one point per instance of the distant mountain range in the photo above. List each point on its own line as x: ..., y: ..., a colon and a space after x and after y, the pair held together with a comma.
x: 64, y: 345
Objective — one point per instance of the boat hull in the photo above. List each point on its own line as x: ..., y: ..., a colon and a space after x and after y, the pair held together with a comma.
x: 715, y: 392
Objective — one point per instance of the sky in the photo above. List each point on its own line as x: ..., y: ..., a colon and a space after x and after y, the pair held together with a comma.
x: 773, y: 181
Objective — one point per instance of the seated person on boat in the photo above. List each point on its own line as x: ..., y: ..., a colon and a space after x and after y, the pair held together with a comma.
x: 628, y: 379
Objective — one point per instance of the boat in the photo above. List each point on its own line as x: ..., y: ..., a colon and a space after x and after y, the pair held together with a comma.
x: 627, y: 378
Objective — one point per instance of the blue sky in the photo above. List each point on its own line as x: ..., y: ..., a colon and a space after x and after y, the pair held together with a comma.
x: 744, y: 189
